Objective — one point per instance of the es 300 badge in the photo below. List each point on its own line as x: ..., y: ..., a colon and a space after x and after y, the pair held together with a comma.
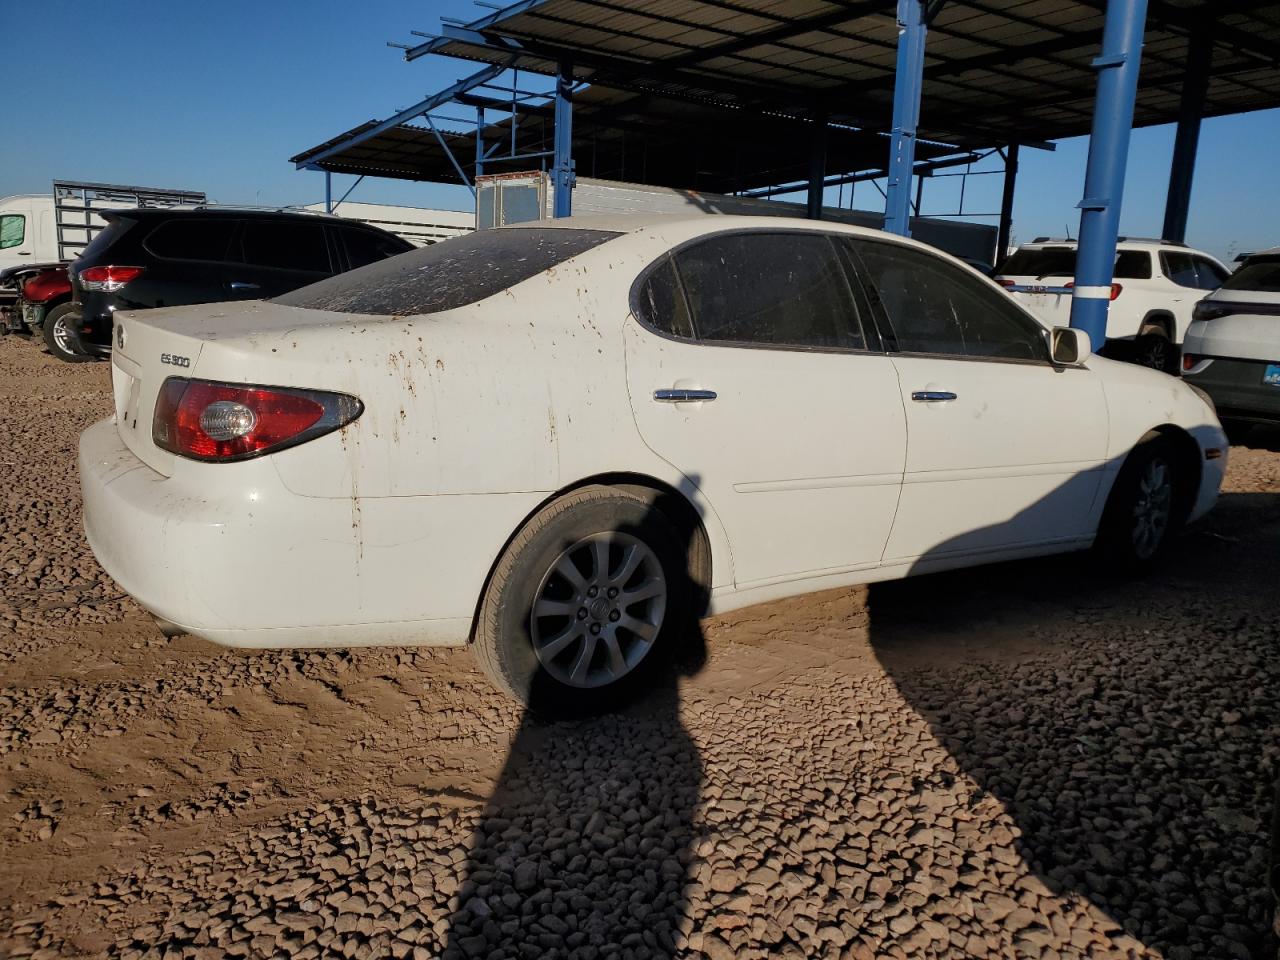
x: 174, y: 360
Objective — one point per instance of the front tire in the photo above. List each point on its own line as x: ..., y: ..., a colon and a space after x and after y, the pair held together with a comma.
x: 1146, y: 508
x: 585, y: 604
x: 60, y: 336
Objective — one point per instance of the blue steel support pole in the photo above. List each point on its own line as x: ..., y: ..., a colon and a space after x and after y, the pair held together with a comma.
x: 817, y: 167
x: 1195, y: 85
x: 1108, y: 155
x: 328, y: 192
x: 907, y: 84
x: 562, y: 168
x: 479, y: 141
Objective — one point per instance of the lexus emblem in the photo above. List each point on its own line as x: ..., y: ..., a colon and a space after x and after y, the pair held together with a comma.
x: 119, y: 336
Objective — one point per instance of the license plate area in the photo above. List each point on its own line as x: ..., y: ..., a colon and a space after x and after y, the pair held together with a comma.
x: 1271, y: 375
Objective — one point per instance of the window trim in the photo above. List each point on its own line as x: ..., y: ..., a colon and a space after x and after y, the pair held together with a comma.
x: 892, y: 342
x: 634, y: 300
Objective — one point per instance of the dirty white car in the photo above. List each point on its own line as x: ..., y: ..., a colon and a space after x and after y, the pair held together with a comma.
x: 557, y: 442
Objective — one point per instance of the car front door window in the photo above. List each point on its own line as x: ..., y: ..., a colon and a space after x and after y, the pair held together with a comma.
x: 935, y: 308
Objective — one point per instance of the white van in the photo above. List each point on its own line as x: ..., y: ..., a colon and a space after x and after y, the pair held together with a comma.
x: 27, y: 230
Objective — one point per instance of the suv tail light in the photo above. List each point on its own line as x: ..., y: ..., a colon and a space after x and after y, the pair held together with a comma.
x: 1115, y: 288
x: 1210, y: 310
x: 109, y: 279
x: 1189, y: 360
x: 223, y: 422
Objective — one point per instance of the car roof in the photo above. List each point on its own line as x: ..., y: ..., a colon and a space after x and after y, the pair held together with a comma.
x: 631, y: 223
x: 226, y: 213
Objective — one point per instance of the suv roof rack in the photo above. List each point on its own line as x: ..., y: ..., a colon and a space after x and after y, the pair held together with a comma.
x: 263, y: 208
x: 1167, y: 243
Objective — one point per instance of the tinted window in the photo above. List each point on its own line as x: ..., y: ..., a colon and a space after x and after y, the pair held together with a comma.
x: 191, y: 239
x: 1132, y: 265
x: 1258, y: 273
x: 449, y: 274
x: 935, y: 307
x: 782, y: 289
x: 285, y: 245
x: 1180, y: 268
x: 1061, y: 262
x: 13, y: 227
x: 1211, y: 275
x: 660, y: 302
x: 365, y: 246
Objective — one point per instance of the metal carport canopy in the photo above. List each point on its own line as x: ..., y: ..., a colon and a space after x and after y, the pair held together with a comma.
x: 996, y: 71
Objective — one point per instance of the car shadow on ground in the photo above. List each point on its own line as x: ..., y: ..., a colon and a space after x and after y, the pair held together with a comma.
x: 584, y: 844
x: 1140, y: 767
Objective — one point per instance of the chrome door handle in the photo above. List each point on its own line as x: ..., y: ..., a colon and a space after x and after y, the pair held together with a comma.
x: 683, y: 396
x: 932, y: 396
x: 241, y: 285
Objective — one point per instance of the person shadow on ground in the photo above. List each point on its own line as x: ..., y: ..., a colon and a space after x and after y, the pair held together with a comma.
x: 582, y: 850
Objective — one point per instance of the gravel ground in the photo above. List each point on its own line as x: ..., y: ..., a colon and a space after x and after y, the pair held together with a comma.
x: 1022, y: 761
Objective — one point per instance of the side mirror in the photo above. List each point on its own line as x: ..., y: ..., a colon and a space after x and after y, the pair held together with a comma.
x: 1068, y: 346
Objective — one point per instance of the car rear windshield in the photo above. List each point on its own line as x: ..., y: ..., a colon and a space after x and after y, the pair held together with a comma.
x: 115, y: 228
x: 1061, y: 262
x: 449, y: 274
x: 1257, y: 273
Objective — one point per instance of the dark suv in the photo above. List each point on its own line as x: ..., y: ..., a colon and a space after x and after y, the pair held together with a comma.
x: 165, y: 258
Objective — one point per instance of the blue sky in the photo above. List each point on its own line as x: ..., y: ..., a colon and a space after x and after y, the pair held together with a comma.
x: 217, y: 96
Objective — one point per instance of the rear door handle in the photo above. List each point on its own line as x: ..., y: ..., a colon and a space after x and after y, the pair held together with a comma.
x: 932, y: 396
x: 683, y: 396
x: 241, y: 285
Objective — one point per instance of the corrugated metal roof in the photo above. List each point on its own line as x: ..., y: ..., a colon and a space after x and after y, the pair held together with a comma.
x: 996, y: 70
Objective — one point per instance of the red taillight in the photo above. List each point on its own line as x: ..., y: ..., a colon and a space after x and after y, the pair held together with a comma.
x: 1006, y: 283
x: 1189, y: 360
x: 227, y: 421
x: 109, y: 278
x: 1115, y: 288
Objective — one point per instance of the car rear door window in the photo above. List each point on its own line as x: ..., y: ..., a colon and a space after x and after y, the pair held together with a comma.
x: 1257, y: 273
x: 285, y: 245
x: 781, y: 289
x: 934, y: 307
x: 365, y: 247
x: 191, y: 239
x: 1180, y: 268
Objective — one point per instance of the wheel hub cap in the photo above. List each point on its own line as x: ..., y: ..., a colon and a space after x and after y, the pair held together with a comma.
x: 598, y: 610
x: 1152, y: 508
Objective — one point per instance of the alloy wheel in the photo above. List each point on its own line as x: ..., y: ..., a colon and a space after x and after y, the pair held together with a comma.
x: 1152, y: 509
x: 598, y: 610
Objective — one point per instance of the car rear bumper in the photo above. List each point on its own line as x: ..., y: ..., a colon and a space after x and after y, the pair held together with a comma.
x: 1237, y: 389
x: 235, y: 557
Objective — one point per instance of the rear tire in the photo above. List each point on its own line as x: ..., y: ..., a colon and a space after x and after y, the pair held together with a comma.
x: 59, y: 334
x: 585, y: 604
x: 1146, y: 508
x: 1154, y: 349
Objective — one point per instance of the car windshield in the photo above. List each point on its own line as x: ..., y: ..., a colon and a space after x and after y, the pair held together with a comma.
x: 1258, y: 273
x: 1061, y: 262
x: 447, y: 275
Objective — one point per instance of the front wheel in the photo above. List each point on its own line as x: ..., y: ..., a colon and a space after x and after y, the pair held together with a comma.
x: 1146, y: 508
x: 60, y: 336
x: 585, y: 603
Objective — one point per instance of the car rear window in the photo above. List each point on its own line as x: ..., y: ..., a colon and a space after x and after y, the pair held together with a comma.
x: 1061, y: 262
x: 1257, y: 273
x: 113, y: 231
x: 449, y: 274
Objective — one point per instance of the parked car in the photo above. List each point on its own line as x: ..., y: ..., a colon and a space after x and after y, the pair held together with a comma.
x: 544, y: 438
x: 1156, y: 287
x: 45, y: 305
x: 1232, y: 350
x: 162, y: 258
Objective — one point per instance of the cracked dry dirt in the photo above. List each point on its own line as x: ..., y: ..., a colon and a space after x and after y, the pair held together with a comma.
x: 1021, y: 761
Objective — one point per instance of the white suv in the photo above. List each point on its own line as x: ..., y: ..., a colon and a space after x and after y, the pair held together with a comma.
x: 1157, y: 285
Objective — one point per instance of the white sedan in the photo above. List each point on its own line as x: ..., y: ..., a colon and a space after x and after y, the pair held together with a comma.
x: 559, y: 442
